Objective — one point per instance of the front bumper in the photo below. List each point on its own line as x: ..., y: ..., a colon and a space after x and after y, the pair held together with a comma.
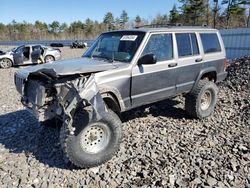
x: 58, y: 56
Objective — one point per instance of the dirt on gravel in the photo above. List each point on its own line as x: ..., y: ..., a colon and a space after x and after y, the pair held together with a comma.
x: 162, y: 145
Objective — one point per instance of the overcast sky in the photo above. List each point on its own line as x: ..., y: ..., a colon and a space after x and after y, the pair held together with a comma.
x: 72, y: 10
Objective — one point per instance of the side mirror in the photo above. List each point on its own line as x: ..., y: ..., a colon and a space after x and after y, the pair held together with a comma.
x: 147, y: 59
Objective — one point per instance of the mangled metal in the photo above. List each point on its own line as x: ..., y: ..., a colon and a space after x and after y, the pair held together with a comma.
x: 82, y: 90
x: 56, y: 98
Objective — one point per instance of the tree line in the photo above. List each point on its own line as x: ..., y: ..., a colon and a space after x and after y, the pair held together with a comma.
x: 213, y: 13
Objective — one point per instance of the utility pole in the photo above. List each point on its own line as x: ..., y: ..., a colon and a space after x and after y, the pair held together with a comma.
x: 215, y: 12
x: 248, y: 18
x: 207, y: 7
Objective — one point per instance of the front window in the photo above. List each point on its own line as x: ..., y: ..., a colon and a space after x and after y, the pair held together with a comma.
x: 161, y: 46
x: 116, y: 46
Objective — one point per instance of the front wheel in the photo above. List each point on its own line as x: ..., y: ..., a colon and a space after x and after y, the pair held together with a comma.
x: 5, y: 63
x: 93, y: 142
x: 201, y: 101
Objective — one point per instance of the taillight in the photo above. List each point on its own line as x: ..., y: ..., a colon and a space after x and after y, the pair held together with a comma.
x: 226, y: 63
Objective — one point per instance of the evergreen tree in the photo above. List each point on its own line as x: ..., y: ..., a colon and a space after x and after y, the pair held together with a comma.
x: 235, y: 11
x: 193, y: 11
x: 109, y: 20
x: 174, y: 16
x: 124, y: 18
x: 54, y: 27
x: 138, y: 21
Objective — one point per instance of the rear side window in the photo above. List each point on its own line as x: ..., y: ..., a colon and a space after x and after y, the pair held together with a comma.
x: 187, y: 44
x: 36, y: 48
x: 210, y: 42
x: 161, y: 46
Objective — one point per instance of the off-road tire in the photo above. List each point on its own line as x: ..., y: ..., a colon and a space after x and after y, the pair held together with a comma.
x: 7, y: 64
x: 71, y: 144
x: 193, y: 99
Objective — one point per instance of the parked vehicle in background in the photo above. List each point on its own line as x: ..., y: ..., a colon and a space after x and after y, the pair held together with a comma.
x: 58, y: 45
x: 77, y: 44
x: 29, y: 54
x: 120, y: 71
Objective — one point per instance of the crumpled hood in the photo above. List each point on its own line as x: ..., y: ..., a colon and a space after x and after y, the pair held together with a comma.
x: 71, y: 67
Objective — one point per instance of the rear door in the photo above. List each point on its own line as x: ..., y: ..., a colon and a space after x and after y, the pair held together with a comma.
x: 18, y: 56
x: 36, y: 53
x: 189, y: 60
x: 154, y: 82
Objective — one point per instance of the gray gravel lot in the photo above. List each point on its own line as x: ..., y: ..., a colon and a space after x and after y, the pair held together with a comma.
x: 162, y: 145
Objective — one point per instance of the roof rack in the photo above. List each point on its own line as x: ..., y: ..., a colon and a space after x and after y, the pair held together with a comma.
x: 167, y: 25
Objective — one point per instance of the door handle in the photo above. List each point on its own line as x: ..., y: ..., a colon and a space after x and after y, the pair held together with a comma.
x: 198, y: 60
x: 172, y: 65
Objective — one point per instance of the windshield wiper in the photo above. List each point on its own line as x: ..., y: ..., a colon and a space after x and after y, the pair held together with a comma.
x: 103, y: 57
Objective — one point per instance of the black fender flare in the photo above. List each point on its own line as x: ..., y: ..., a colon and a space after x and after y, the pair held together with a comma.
x: 104, y: 90
x: 202, y: 72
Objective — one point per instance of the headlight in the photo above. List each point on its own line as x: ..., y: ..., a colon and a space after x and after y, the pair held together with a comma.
x: 19, y: 82
x: 35, y: 93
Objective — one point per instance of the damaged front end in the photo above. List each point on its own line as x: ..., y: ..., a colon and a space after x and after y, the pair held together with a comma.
x: 57, y: 97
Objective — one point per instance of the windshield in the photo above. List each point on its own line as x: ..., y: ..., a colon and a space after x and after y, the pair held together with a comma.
x: 11, y: 50
x: 116, y: 46
x: 17, y: 48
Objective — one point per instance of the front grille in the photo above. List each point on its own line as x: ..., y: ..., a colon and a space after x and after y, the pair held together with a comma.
x: 19, y: 82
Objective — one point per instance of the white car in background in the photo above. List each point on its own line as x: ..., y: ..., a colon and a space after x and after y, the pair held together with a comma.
x: 28, y: 54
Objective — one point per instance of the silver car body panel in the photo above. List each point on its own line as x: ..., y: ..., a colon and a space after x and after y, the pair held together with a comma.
x: 135, y: 85
x: 47, y: 51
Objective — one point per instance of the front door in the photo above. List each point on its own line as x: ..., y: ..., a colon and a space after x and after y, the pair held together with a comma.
x: 154, y: 82
x: 18, y: 56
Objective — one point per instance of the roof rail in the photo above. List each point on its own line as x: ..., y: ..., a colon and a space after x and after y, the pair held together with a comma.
x: 167, y: 25
x: 158, y: 25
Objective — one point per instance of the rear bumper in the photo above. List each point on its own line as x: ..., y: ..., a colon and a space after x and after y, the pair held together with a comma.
x: 58, y: 57
x: 221, y: 76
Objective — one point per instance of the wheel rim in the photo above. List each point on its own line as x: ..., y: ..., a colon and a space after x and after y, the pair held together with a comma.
x: 95, y: 138
x: 5, y: 63
x: 206, y: 99
x: 49, y: 59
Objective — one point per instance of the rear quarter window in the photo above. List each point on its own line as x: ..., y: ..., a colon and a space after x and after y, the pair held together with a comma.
x: 210, y: 42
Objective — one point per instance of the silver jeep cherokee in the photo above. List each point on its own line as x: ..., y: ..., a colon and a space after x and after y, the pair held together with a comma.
x: 120, y: 71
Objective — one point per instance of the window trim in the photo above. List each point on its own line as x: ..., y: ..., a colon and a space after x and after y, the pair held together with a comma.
x: 190, y: 39
x: 160, y: 33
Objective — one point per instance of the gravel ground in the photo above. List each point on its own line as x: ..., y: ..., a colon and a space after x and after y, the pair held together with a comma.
x: 162, y: 145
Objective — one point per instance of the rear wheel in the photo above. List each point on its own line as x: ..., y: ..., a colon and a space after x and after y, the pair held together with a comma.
x: 93, y: 142
x: 5, y: 63
x: 49, y: 58
x: 201, y: 101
